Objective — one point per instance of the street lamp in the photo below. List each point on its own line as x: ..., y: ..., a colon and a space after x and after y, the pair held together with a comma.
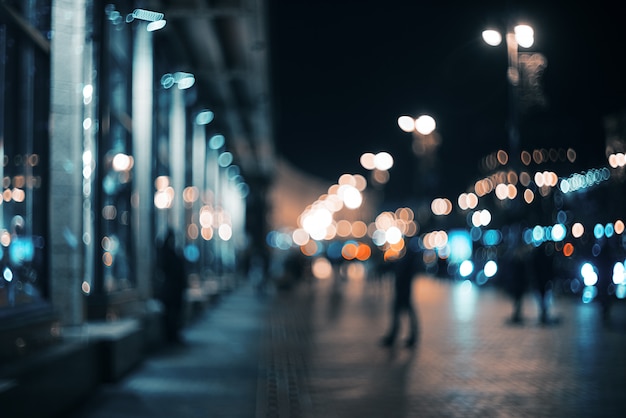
x: 425, y: 143
x: 521, y: 36
x: 425, y: 139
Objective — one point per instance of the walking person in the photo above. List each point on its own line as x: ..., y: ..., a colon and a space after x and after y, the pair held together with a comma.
x: 404, y: 270
x: 172, y: 266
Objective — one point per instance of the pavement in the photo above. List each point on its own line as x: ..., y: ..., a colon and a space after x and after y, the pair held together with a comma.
x: 313, y: 351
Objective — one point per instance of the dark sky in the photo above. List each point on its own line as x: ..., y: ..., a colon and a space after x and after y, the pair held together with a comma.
x: 343, y: 71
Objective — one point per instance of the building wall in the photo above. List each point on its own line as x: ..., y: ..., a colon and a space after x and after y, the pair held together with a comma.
x: 66, y: 148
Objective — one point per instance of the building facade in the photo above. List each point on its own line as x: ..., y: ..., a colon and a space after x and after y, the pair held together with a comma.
x: 108, y: 139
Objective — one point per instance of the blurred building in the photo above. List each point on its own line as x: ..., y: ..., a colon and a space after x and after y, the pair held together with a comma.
x: 119, y: 120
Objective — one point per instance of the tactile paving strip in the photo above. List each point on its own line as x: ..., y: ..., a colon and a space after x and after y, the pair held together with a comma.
x: 282, y: 384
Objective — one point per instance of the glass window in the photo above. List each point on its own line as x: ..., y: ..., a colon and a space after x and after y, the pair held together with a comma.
x: 115, y: 158
x: 24, y: 113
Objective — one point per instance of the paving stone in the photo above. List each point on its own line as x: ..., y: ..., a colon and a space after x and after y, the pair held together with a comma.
x: 313, y: 351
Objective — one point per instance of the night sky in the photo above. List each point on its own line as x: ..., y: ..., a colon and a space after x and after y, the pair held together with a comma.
x: 343, y: 71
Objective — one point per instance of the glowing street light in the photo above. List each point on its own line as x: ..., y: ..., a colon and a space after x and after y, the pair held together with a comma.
x: 521, y: 36
x: 425, y: 124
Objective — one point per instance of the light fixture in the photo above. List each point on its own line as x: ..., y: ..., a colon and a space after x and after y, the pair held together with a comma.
x: 155, y: 18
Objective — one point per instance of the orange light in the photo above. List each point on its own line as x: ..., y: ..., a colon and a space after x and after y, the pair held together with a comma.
x: 363, y: 252
x: 568, y: 249
x: 349, y: 251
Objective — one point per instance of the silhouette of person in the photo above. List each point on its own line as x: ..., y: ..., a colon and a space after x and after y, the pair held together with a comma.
x: 172, y: 265
x: 542, y: 279
x: 529, y: 268
x: 605, y: 260
x: 517, y: 274
x: 404, y: 270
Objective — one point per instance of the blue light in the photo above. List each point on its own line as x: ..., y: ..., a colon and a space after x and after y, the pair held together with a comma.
x: 459, y: 245
x: 192, y: 253
x: 204, y: 117
x: 538, y: 234
x: 491, y: 268
x: 334, y: 250
x: 225, y: 159
x: 588, y: 272
x: 527, y: 236
x: 21, y: 250
x: 589, y: 293
x: 216, y: 141
x: 476, y: 233
x: 558, y: 232
x: 7, y: 274
x: 466, y: 268
x: 598, y: 231
x: 492, y: 237
x: 609, y: 230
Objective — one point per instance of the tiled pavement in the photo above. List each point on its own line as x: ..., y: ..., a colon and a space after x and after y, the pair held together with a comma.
x: 313, y: 352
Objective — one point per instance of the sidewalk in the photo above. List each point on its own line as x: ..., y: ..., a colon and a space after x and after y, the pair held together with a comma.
x: 213, y: 374
x: 313, y: 352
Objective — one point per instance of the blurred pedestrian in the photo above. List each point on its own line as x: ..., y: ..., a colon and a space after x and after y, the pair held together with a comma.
x: 543, y: 273
x: 174, y: 283
x: 404, y: 269
x: 515, y: 274
x: 605, y: 258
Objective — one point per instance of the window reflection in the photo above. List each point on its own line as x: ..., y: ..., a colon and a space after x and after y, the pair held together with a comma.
x: 115, y: 165
x: 24, y: 111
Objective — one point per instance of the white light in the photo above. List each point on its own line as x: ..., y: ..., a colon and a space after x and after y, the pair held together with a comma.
x: 491, y: 268
x: 225, y: 232
x: 466, y: 268
x: 492, y: 37
x: 379, y: 237
x: 485, y: 217
x: 7, y: 274
x: 590, y: 277
x: 383, y: 161
x: 184, y: 80
x: 393, y: 235
x: 406, y: 123
x: 558, y: 232
x: 425, y: 124
x: 122, y: 162
x: 87, y: 93
x: 156, y: 25
x: 619, y: 273
x: 524, y: 35
x: 148, y: 15
x: 300, y: 236
x: 350, y: 195
x: 367, y: 161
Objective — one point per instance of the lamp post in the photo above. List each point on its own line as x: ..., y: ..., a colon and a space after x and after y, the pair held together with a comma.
x: 425, y: 142
x: 521, y: 36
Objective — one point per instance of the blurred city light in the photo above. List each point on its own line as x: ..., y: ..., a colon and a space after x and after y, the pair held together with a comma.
x: 425, y: 124
x: 460, y: 244
x: 466, y: 268
x: 156, y: 25
x: 406, y: 123
x: 492, y: 37
x: 491, y: 268
x: 619, y: 273
x: 589, y: 274
x: 204, y: 117
x: 383, y: 161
